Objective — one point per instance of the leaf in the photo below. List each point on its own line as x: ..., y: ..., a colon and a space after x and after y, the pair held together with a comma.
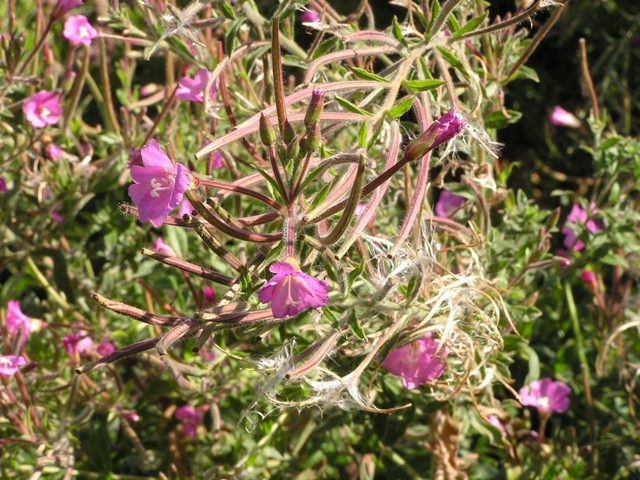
x: 362, y: 135
x: 528, y: 73
x: 397, y: 31
x: 422, y: 85
x: 451, y: 59
x: 470, y: 26
x: 347, y: 105
x: 355, y: 326
x: 400, y: 108
x: 227, y: 11
x: 366, y: 75
x: 498, y: 119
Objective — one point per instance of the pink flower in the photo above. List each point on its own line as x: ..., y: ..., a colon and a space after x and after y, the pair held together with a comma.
x: 579, y: 215
x: 190, y: 418
x: 208, y: 294
x: 105, y: 348
x: 54, y: 151
x: 159, y: 184
x: 63, y: 6
x: 193, y: 88
x: 588, y: 277
x: 185, y: 208
x: 133, y: 417
x: 309, y: 16
x: 18, y: 324
x: 448, y: 203
x: 55, y: 215
x: 77, y: 343
x: 563, y: 259
x: 3, y: 185
x: 546, y: 395
x: 561, y: 118
x: 42, y: 109
x: 10, y: 364
x: 78, y: 30
x: 217, y: 160
x: 360, y: 208
x: 495, y: 421
x: 290, y: 291
x: 442, y: 130
x: 160, y: 247
x: 417, y: 362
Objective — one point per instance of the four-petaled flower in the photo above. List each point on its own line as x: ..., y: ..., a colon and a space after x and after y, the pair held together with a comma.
x: 448, y: 203
x: 561, y: 118
x: 78, y: 30
x: 192, y: 89
x: 546, y: 395
x: 18, y: 324
x: 190, y: 418
x: 579, y: 215
x: 42, y: 109
x: 417, y: 362
x: 77, y: 343
x: 290, y: 291
x: 10, y: 364
x: 159, y: 184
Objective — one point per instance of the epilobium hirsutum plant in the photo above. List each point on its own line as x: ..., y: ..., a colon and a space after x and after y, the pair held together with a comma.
x: 302, y: 155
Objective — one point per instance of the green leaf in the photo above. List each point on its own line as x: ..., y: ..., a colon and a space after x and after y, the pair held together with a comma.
x: 400, y: 108
x: 422, y: 85
x: 355, y: 326
x: 451, y: 59
x: 227, y: 11
x: 498, y: 119
x: 470, y: 26
x: 366, y: 75
x: 397, y: 31
x: 362, y: 135
x: 347, y: 105
x: 453, y: 24
x: 320, y: 196
x: 528, y: 73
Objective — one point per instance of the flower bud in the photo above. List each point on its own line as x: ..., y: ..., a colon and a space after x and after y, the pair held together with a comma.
x: 293, y: 149
x: 312, y: 140
x: 289, y: 132
x: 315, y: 108
x: 267, y: 133
x: 442, y: 130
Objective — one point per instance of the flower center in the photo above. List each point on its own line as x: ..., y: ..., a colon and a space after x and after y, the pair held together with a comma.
x: 83, y: 32
x: 543, y: 402
x: 44, y: 112
x: 163, y: 183
x: 5, y: 363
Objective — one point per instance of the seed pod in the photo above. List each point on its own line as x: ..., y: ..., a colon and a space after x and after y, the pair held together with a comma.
x: 315, y: 108
x: 267, y: 133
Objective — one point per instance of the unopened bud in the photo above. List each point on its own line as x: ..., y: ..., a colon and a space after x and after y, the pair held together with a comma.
x: 267, y: 133
x: 442, y: 130
x: 315, y: 108
x: 293, y: 149
x: 289, y: 133
x: 552, y: 221
x: 312, y: 139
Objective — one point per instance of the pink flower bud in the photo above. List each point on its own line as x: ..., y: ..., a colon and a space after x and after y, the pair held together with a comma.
x: 309, y: 16
x: 442, y: 130
x: 63, y: 6
x: 561, y: 118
